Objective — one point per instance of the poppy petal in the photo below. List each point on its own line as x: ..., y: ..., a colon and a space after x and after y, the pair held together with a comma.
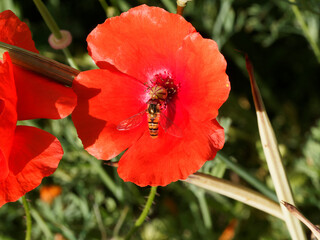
x: 216, y: 134
x: 204, y: 82
x: 146, y: 44
x: 40, y: 97
x: 35, y: 154
x: 110, y: 143
x: 8, y: 99
x: 110, y: 97
x: 15, y: 32
x: 3, y: 166
x: 167, y: 159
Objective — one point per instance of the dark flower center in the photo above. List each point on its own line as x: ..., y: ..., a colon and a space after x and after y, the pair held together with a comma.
x: 163, y: 87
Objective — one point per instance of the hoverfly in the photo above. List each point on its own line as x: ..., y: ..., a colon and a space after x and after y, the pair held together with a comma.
x: 154, y: 115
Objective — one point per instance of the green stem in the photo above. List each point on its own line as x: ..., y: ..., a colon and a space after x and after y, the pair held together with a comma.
x: 123, y: 6
x: 305, y: 29
x: 99, y: 221
x: 248, y: 177
x: 120, y: 222
x: 105, y: 6
x: 105, y: 178
x: 47, y: 234
x: 204, y: 209
x: 169, y: 5
x: 51, y: 23
x: 28, y: 218
x: 69, y: 58
x: 144, y: 213
x: 54, y: 28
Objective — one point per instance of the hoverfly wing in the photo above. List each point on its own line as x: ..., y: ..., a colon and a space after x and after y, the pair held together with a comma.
x: 169, y: 127
x: 131, y: 122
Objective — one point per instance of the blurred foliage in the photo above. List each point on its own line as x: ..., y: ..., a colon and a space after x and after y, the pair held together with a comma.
x: 96, y: 204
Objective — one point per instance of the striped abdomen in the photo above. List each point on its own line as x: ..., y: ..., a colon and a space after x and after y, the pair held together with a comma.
x: 153, y: 113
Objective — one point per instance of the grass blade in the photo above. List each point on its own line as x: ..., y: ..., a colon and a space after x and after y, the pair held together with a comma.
x: 294, y: 211
x: 235, y: 191
x: 248, y: 177
x: 272, y: 154
x: 305, y: 29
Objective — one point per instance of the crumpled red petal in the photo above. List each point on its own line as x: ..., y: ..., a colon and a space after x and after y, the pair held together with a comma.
x: 204, y: 82
x: 105, y: 98
x: 8, y: 100
x: 146, y: 44
x: 40, y: 97
x: 35, y: 154
x: 15, y: 32
x: 160, y: 161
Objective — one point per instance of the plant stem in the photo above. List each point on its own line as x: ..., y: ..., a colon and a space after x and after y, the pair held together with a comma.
x: 237, y: 192
x: 169, y: 5
x: 105, y: 6
x: 51, y: 23
x: 42, y: 224
x: 305, y: 29
x: 120, y: 221
x: 69, y: 58
x: 54, y: 28
x: 295, y: 212
x: 47, y: 67
x: 204, y: 209
x: 105, y: 178
x: 99, y: 221
x: 28, y: 217
x: 144, y: 213
x: 273, y: 158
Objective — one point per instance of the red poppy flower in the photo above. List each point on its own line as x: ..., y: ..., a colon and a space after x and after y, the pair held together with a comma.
x: 27, y: 154
x: 154, y: 67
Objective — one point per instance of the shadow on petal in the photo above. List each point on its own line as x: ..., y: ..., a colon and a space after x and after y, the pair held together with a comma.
x: 1, y: 106
x: 39, y: 97
x: 88, y: 127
